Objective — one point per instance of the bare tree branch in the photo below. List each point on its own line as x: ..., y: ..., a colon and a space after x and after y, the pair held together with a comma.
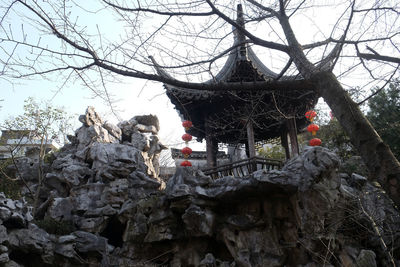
x: 164, y: 13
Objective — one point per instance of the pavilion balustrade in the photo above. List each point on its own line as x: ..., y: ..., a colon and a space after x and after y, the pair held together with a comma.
x: 243, y: 168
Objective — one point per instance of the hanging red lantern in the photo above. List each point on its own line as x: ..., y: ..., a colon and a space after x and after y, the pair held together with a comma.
x: 186, y: 163
x: 313, y: 128
x: 186, y: 151
x: 186, y: 137
x: 310, y: 115
x: 187, y: 124
x: 315, y: 142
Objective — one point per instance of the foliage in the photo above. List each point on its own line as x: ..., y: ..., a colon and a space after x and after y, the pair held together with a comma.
x: 39, y: 124
x: 42, y: 120
x: 273, y: 151
x: 10, y: 187
x: 352, y: 165
x: 334, y: 138
x: 384, y: 115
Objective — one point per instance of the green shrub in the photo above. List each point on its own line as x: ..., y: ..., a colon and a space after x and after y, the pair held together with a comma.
x: 10, y: 188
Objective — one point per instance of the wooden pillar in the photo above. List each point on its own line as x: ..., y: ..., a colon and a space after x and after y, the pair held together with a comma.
x: 250, y: 139
x: 284, y: 142
x: 292, y: 130
x: 211, y: 147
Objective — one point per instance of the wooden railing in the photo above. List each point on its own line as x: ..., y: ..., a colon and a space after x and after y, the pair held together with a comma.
x: 243, y: 168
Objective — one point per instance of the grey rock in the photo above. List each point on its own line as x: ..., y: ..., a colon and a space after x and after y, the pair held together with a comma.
x: 4, y: 258
x: 140, y: 141
x: 87, y: 242
x: 67, y: 250
x: 95, y: 133
x: 5, y: 213
x: 8, y: 203
x: 136, y: 229
x: 106, y: 185
x: 33, y: 240
x: 198, y: 222
x: 185, y: 180
x: 103, y: 211
x: 366, y: 259
x: 71, y: 175
x: 146, y: 128
x: 66, y: 238
x: 87, y: 196
x: 162, y: 226
x: 93, y: 225
x: 142, y: 181
x: 208, y: 261
x: 116, y: 193
x: 3, y: 235
x: 93, y: 130
x: 106, y: 154
x: 3, y: 249
x: 148, y: 120
x: 358, y: 179
x: 91, y: 117
x: 12, y: 264
x: 61, y: 209
x: 113, y: 130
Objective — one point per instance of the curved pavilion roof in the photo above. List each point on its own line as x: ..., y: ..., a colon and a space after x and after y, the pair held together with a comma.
x: 227, y: 112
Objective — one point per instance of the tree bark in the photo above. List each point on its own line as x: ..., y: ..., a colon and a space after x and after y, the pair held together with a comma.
x: 379, y: 159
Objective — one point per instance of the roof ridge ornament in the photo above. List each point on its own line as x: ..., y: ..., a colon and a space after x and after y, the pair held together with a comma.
x: 239, y: 36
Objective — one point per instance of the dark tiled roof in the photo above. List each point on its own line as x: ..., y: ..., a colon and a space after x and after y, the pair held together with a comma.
x: 227, y: 111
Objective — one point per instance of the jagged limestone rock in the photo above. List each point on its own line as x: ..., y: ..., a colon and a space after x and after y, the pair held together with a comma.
x: 61, y: 209
x: 303, y: 215
x: 148, y: 120
x: 113, y: 130
x: 91, y: 117
x: 33, y: 240
x: 198, y: 222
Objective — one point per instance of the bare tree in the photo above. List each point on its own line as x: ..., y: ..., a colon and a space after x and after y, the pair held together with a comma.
x: 352, y: 40
x: 33, y: 133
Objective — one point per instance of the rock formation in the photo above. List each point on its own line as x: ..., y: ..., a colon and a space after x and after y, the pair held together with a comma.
x: 103, y: 204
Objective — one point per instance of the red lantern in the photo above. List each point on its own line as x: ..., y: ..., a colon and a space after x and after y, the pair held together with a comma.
x: 186, y: 137
x: 315, y: 142
x: 310, y: 115
x: 187, y: 124
x: 186, y: 163
x: 186, y: 151
x: 313, y: 128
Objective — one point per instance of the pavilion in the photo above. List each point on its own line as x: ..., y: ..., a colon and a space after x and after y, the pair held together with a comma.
x: 245, y: 116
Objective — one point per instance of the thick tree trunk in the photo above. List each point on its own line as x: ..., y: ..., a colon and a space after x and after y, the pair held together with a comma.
x: 380, y: 161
